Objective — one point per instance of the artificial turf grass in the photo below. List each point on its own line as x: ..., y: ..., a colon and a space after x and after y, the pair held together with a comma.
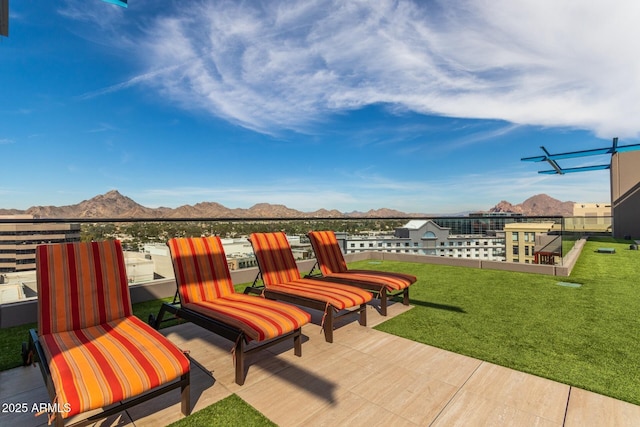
x: 585, y: 336
x: 11, y: 340
x: 230, y: 411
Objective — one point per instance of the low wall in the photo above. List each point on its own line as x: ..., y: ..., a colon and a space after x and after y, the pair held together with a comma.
x: 553, y: 270
x: 24, y: 312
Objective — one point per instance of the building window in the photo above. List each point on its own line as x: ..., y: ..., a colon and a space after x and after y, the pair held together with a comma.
x: 514, y: 236
x: 526, y: 250
x: 516, y: 250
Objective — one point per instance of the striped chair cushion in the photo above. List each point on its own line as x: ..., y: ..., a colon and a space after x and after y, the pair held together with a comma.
x: 275, y: 258
x: 392, y: 281
x: 338, y: 295
x: 205, y: 287
x: 201, y: 269
x: 260, y: 319
x: 328, y: 253
x: 100, y: 365
x: 80, y: 285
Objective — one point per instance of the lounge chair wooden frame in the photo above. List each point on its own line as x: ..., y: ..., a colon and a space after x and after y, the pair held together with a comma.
x: 380, y: 291
x: 331, y: 313
x: 235, y: 335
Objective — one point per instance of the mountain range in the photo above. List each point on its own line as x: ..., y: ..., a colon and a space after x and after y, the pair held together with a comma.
x: 114, y: 205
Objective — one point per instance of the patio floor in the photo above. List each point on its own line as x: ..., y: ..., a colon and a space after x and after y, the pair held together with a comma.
x: 365, y: 377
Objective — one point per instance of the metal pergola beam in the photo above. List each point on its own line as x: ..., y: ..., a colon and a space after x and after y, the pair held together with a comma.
x: 552, y: 158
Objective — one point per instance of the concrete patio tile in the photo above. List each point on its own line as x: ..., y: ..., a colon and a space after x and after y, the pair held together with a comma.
x: 289, y: 397
x: 590, y: 409
x: 118, y: 420
x: 17, y: 408
x: 451, y: 368
x: 469, y: 409
x: 527, y: 393
x: 165, y: 409
x: 418, y: 398
x: 19, y: 380
x: 352, y: 410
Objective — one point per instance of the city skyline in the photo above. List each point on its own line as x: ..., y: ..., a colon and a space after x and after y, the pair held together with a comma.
x: 413, y: 106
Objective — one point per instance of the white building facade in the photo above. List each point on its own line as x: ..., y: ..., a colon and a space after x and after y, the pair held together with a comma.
x: 425, y: 237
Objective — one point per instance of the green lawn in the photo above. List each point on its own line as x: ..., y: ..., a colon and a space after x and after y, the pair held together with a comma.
x: 231, y: 411
x: 586, y: 337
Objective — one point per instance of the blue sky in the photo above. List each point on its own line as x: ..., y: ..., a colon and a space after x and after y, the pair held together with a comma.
x: 422, y: 106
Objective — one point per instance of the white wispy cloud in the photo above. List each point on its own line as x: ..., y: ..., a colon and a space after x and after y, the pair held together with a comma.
x: 127, y: 84
x: 289, y: 64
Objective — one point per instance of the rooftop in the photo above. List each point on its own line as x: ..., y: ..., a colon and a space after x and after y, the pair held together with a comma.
x: 366, y: 377
x: 371, y: 377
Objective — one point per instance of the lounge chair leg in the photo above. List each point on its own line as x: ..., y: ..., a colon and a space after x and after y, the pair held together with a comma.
x: 383, y: 301
x: 158, y: 320
x: 363, y: 314
x: 239, y: 354
x: 185, y: 392
x: 328, y: 324
x: 297, y: 343
x: 405, y: 296
x: 58, y: 421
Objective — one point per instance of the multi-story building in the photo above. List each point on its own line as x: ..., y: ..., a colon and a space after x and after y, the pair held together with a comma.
x: 592, y: 210
x: 590, y: 217
x: 238, y: 251
x: 425, y: 237
x: 479, y: 222
x: 18, y: 240
x: 533, y: 243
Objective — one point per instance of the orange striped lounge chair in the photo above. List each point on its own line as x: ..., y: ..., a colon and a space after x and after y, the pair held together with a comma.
x: 93, y: 351
x: 333, y: 267
x: 282, y: 281
x: 208, y: 299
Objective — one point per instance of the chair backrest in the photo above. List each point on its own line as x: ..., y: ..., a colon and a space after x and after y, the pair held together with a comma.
x: 80, y: 285
x: 328, y: 253
x: 201, y: 269
x: 274, y: 257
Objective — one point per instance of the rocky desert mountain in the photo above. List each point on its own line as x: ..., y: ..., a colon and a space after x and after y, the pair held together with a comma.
x: 115, y: 205
x: 538, y: 205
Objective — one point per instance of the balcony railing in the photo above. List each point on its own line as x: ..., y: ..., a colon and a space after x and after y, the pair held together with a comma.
x: 151, y: 274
